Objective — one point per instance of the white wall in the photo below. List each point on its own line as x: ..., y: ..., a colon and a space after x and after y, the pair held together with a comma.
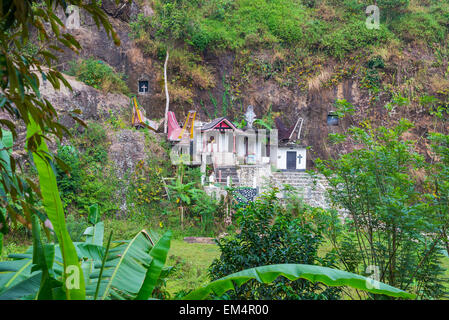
x: 282, y: 158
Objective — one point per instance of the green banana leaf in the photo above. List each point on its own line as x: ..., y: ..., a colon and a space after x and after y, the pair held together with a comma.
x: 24, y: 290
x: 6, y: 143
x: 43, y: 258
x: 53, y: 206
x: 126, y: 272
x: 94, y: 214
x: 17, y: 281
x: 15, y: 276
x: 267, y: 274
x: 14, y: 272
x: 95, y: 234
x: 92, y: 250
x: 159, y: 254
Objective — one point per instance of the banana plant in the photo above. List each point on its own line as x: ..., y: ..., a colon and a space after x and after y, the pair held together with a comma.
x: 122, y: 270
x: 54, y: 209
x: 184, y: 195
x: 132, y: 268
x: 6, y: 143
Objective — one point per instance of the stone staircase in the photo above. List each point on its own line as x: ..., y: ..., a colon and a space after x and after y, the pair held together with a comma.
x: 312, y: 190
x: 225, y: 173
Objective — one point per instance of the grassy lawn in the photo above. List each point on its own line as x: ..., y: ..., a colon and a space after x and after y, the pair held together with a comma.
x: 191, y: 261
x: 14, y: 244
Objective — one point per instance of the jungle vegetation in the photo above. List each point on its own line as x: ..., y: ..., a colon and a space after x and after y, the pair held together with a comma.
x: 395, y: 200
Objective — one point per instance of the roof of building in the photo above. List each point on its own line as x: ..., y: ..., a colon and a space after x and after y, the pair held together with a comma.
x: 174, y: 130
x: 219, y: 123
x: 292, y: 145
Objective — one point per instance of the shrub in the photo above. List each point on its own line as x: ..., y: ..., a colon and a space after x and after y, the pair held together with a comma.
x: 69, y: 182
x: 421, y: 26
x: 98, y: 74
x: 93, y: 142
x: 186, y: 64
x: 269, y: 235
x: 353, y: 36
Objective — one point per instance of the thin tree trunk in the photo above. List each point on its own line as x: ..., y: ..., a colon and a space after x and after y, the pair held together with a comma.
x: 166, y: 94
x: 182, y: 218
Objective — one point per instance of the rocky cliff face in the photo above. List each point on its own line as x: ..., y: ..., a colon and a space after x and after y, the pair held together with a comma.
x: 93, y: 104
x: 311, y: 98
x: 126, y: 58
x: 127, y: 148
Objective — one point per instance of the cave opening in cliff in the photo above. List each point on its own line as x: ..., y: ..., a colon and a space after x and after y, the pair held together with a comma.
x: 332, y: 119
x: 143, y: 86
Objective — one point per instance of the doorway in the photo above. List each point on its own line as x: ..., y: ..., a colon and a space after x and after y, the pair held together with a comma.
x: 291, y: 160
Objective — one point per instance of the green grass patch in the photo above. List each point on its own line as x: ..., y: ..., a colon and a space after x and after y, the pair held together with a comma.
x: 14, y: 243
x: 191, y: 262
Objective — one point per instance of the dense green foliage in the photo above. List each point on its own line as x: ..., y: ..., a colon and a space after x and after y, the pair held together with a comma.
x: 269, y: 234
x: 235, y: 25
x: 98, y: 74
x: 133, y: 271
x: 90, y: 178
x: 390, y: 222
x: 295, y: 44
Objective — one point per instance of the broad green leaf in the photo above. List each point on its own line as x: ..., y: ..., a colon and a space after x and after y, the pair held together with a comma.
x: 94, y: 214
x: 95, y: 234
x: 103, y: 263
x: 267, y: 274
x: 27, y: 288
x: 94, y: 237
x: 43, y: 257
x: 90, y: 251
x: 53, y: 206
x: 13, y: 272
x: 159, y: 255
x: 125, y: 269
